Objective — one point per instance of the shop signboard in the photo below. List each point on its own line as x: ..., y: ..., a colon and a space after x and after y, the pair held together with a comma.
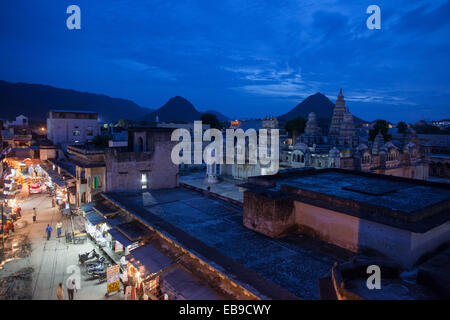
x: 118, y: 247
x: 113, y: 278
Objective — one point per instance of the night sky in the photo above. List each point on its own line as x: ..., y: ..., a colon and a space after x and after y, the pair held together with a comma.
x: 243, y: 58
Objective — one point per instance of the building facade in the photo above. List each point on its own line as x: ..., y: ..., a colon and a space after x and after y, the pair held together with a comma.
x: 396, y: 218
x: 145, y: 164
x: 66, y: 127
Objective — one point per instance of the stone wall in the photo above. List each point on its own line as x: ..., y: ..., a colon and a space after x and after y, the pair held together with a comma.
x: 125, y: 168
x: 268, y: 213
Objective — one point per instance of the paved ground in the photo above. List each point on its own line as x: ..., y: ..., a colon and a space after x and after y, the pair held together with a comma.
x: 46, y: 261
x: 224, y: 188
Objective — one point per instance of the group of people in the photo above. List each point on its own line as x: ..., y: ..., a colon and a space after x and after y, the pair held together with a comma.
x: 71, y: 288
x: 49, y: 230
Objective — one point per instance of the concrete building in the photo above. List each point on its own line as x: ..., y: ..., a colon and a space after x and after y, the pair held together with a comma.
x: 20, y: 120
x: 398, y: 218
x: 144, y: 164
x: 68, y: 127
x: 17, y: 133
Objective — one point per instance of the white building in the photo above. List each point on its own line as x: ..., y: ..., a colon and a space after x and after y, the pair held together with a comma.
x: 67, y: 127
x: 21, y: 120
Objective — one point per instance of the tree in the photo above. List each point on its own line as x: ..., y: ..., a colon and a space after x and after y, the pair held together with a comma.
x: 297, y: 124
x: 381, y: 126
x: 402, y: 127
x: 124, y: 123
x: 211, y: 119
x: 101, y: 140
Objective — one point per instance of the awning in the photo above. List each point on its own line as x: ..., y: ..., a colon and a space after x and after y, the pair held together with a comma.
x: 183, y: 285
x: 102, y: 208
x: 150, y: 258
x: 87, y: 207
x: 55, y: 177
x: 118, y: 236
x: 94, y: 218
x: 134, y: 230
x: 113, y: 222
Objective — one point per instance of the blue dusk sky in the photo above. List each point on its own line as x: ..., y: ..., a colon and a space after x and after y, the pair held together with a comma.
x: 242, y: 58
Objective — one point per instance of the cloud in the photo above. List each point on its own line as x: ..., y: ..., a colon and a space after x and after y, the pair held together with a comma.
x: 270, y: 81
x: 138, y: 67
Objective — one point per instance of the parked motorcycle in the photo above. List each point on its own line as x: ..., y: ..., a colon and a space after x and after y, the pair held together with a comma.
x: 83, y: 257
x: 95, y: 262
x: 97, y: 268
x: 99, y: 275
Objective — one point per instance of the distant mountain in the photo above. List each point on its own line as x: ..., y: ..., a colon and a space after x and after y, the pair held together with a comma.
x: 317, y: 103
x: 34, y: 100
x: 220, y: 116
x: 177, y: 109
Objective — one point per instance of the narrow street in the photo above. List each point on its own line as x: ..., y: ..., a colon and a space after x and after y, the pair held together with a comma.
x: 33, y: 267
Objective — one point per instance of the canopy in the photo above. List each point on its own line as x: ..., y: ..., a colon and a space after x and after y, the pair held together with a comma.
x: 102, y: 208
x: 149, y: 257
x: 118, y: 236
x: 112, y: 222
x: 94, y: 218
x: 133, y: 230
x: 87, y: 207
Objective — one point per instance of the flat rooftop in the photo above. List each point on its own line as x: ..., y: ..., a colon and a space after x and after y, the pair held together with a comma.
x: 395, y: 195
x: 213, y: 230
x: 413, y: 205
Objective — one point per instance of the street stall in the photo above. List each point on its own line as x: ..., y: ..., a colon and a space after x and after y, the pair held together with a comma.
x: 57, y: 185
x: 96, y: 227
x: 144, y: 265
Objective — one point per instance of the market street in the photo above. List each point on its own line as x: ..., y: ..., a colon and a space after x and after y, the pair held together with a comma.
x: 29, y: 252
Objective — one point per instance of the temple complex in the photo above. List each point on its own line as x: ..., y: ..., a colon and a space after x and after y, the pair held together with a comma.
x: 344, y: 148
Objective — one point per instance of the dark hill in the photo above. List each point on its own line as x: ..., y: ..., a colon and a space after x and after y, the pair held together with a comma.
x: 317, y: 103
x: 34, y: 100
x: 177, y: 109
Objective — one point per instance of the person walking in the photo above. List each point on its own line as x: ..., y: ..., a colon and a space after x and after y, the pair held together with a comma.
x: 60, y: 292
x: 70, y: 288
x: 19, y: 209
x: 49, y: 231
x: 59, y: 228
x: 34, y: 214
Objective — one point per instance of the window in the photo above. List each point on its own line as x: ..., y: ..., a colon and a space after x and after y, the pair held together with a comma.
x: 89, y: 131
x: 144, y: 181
x: 76, y: 132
